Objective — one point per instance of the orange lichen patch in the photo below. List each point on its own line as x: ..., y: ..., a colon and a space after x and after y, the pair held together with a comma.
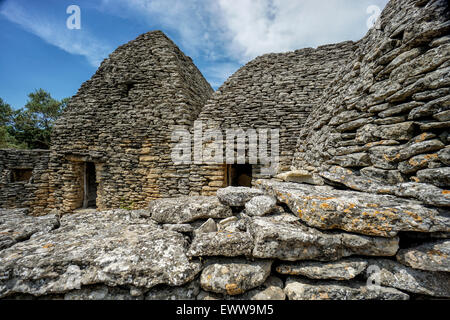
x: 347, y: 210
x: 422, y: 137
x: 233, y: 289
x: 351, y: 206
x: 445, y: 191
x: 431, y: 156
x: 414, y: 216
x: 372, y: 205
x: 416, y: 179
x: 229, y: 235
x: 325, y: 206
x: 324, y: 295
x: 389, y: 159
x: 433, y: 252
x: 48, y: 245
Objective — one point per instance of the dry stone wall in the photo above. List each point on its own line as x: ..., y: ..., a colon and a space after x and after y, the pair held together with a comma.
x: 273, y: 91
x: 24, y: 179
x: 385, y: 118
x: 220, y: 247
x: 122, y: 120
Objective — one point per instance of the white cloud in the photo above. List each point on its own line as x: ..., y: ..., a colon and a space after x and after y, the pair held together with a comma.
x: 240, y: 30
x: 258, y: 27
x: 78, y: 42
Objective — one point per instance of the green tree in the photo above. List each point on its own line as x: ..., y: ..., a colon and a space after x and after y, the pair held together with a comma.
x: 32, y: 125
x: 5, y: 113
x: 7, y: 140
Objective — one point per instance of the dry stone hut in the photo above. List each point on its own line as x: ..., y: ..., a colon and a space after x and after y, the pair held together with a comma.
x: 111, y: 148
x: 274, y: 91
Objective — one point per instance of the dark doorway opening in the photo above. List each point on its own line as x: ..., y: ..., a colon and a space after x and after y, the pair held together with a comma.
x: 239, y: 175
x: 90, y: 186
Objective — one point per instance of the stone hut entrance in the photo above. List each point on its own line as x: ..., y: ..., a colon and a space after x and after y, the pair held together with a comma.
x: 90, y: 186
x: 239, y: 175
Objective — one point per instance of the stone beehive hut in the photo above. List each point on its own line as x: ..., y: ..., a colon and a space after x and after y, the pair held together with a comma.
x: 274, y: 91
x: 385, y: 118
x: 111, y: 148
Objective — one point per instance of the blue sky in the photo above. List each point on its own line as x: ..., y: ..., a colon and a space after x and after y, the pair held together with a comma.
x: 39, y: 51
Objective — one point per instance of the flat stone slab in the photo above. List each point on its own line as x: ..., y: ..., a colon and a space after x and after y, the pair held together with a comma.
x: 432, y: 256
x: 365, y: 213
x: 187, y: 209
x: 393, y: 274
x: 188, y: 291
x: 336, y: 270
x: 111, y: 248
x: 302, y: 289
x: 227, y: 244
x: 234, y: 276
x: 279, y: 238
x: 260, y: 206
x: 271, y: 289
x: 237, y: 196
x: 425, y: 192
x: 17, y: 226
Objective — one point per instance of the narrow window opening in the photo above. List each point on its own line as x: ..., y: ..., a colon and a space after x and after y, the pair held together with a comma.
x: 21, y: 175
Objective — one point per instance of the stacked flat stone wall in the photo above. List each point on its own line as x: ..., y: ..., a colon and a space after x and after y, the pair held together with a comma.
x: 30, y: 191
x: 385, y: 118
x: 273, y: 91
x: 122, y: 120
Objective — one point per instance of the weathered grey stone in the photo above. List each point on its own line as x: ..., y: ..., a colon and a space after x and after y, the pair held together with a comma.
x: 292, y: 241
x: 16, y: 226
x: 260, y: 205
x: 237, y: 196
x: 416, y: 163
x: 222, y: 224
x: 182, y: 228
x: 427, y: 193
x: 301, y: 289
x: 102, y: 292
x: 433, y: 256
x: 110, y: 248
x: 430, y: 108
x: 209, y: 226
x: 228, y: 244
x: 393, y: 274
x: 272, y: 289
x: 424, y: 192
x: 439, y: 176
x: 385, y: 176
x: 187, y: 209
x: 300, y: 176
x: 345, y: 269
x: 163, y: 292
x: 365, y: 213
x: 235, y: 276
x: 352, y: 160
x: 444, y: 156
